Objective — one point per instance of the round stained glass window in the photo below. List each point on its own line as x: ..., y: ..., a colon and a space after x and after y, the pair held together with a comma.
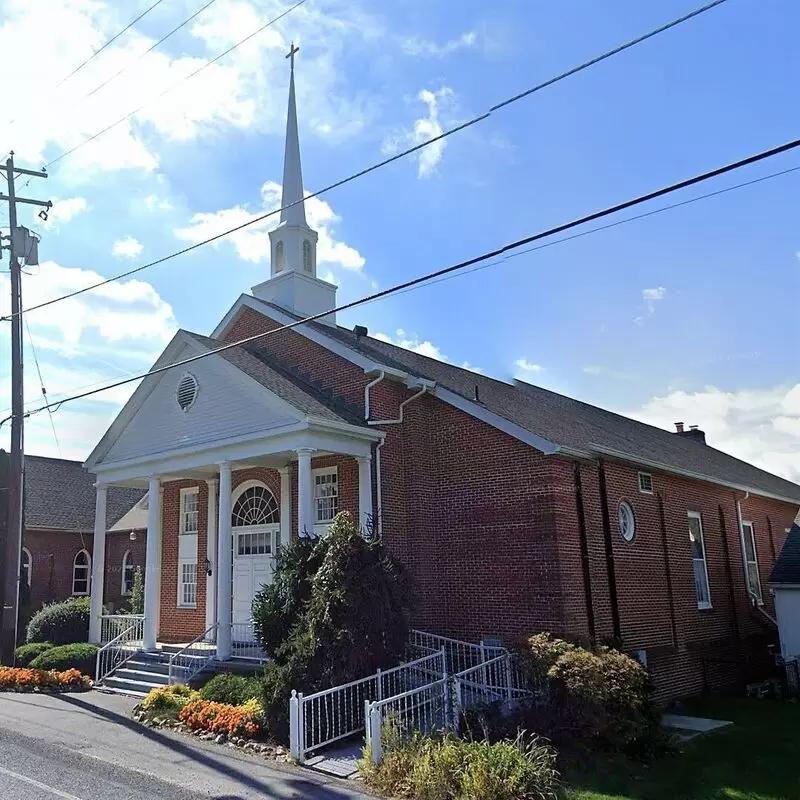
x: 627, y: 522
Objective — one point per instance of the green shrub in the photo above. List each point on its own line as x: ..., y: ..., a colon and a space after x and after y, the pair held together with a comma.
x: 66, y: 622
x: 600, y: 697
x: 82, y: 657
x: 27, y: 652
x: 432, y: 768
x: 136, y: 605
x: 167, y: 701
x: 232, y: 690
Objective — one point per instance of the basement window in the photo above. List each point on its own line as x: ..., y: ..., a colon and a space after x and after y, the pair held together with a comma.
x: 645, y: 483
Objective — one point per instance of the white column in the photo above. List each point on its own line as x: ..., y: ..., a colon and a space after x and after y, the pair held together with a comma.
x: 98, y: 564
x: 365, y: 509
x: 152, y: 582
x: 305, y: 494
x: 211, y: 555
x: 224, y: 564
x: 286, y: 505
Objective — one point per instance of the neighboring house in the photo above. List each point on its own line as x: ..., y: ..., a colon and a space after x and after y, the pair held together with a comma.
x: 514, y: 509
x: 785, y: 584
x: 58, y: 539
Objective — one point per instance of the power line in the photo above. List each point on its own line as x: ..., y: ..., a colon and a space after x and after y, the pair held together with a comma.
x: 562, y: 240
x: 378, y: 165
x: 149, y: 50
x: 109, y: 42
x: 174, y: 85
x: 453, y: 268
x: 41, y: 384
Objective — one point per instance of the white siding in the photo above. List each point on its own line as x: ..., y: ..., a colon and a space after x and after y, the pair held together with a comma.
x: 787, y: 610
x: 228, y: 404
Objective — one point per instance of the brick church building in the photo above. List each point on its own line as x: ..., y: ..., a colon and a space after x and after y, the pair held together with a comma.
x: 514, y: 509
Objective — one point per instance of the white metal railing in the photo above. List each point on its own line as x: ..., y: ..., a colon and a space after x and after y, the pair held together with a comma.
x: 244, y: 643
x: 460, y: 655
x: 495, y: 680
x: 193, y: 658
x: 327, y: 716
x: 112, y: 625
x: 425, y: 709
x: 112, y: 655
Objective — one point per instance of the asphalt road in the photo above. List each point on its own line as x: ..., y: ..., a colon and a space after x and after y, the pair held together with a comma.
x: 86, y: 747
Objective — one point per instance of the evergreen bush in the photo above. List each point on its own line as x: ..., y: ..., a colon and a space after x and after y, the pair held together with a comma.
x: 82, y: 657
x: 65, y: 622
x: 232, y: 690
x: 27, y: 652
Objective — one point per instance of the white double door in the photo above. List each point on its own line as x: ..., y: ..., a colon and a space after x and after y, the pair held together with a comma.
x: 253, y: 567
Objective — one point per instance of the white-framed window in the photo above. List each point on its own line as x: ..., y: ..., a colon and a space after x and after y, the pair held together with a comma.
x: 128, y: 573
x: 26, y: 564
x: 81, y: 573
x: 627, y: 521
x: 751, y: 560
x: 187, y: 583
x: 326, y: 494
x: 256, y: 505
x: 189, y: 511
x: 645, y: 483
x: 699, y: 564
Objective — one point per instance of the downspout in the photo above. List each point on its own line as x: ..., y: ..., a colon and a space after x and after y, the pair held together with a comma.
x: 426, y: 386
x: 609, y: 546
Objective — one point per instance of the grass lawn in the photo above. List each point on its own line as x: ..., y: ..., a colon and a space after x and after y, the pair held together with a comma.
x: 757, y: 759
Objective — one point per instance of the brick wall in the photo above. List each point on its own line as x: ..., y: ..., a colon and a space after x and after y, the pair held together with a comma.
x: 53, y: 554
x: 490, y: 533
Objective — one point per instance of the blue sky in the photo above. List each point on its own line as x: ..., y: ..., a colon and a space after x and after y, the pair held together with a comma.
x: 686, y: 316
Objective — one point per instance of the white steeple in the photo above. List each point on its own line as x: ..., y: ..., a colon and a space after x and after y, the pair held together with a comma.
x: 293, y: 282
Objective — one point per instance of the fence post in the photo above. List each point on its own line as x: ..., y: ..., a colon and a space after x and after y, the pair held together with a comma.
x: 296, y: 749
x: 458, y: 702
x: 444, y: 661
x: 373, y: 720
x: 379, y: 690
x: 509, y: 692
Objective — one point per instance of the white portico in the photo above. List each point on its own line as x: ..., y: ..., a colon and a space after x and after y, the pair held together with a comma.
x: 245, y: 432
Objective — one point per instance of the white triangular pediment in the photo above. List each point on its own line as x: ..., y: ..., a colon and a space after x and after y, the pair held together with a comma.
x: 227, y: 404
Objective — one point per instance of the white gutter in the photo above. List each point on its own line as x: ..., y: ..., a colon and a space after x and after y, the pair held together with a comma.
x: 381, y: 376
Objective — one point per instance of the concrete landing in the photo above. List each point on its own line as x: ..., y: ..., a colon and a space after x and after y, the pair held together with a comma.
x: 689, y: 727
x: 338, y: 761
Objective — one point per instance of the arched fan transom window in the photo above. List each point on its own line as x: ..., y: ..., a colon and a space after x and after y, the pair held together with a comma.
x: 255, y: 506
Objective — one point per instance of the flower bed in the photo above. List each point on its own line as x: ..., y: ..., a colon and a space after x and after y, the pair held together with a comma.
x: 23, y: 679
x: 243, y: 721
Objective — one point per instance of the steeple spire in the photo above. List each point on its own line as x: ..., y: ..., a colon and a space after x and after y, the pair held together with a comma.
x: 292, y: 171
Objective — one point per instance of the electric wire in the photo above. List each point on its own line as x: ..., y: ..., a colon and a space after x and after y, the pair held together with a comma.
x: 453, y: 268
x: 41, y: 384
x: 378, y: 165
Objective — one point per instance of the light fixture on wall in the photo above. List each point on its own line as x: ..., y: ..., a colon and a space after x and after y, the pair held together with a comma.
x: 208, y: 567
x: 132, y: 536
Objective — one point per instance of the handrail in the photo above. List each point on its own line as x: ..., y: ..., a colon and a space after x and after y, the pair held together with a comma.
x: 183, y: 653
x: 117, y: 644
x: 109, y: 621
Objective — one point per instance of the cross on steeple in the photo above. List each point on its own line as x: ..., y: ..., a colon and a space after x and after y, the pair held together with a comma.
x: 291, y: 53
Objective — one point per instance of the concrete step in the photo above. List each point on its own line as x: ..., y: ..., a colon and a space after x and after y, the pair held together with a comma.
x: 133, y: 687
x: 142, y: 676
x: 148, y: 665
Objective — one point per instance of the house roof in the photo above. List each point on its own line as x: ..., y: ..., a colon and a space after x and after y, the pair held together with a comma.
x: 787, y: 566
x: 568, y: 423
x: 60, y: 495
x: 302, y: 394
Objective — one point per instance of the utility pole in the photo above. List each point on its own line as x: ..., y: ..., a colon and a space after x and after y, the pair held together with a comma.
x: 21, y: 244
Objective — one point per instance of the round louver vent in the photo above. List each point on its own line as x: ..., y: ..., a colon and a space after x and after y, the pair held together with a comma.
x: 186, y: 392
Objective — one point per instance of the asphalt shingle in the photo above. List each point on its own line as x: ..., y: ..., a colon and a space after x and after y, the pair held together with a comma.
x: 60, y: 495
x: 787, y: 567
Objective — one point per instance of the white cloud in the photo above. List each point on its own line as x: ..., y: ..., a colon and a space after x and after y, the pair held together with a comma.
x: 528, y: 366
x: 65, y: 210
x: 155, y: 203
x: 420, y: 46
x: 245, y: 89
x: 650, y: 295
x: 127, y: 247
x: 128, y: 311
x: 425, y: 128
x: 252, y: 243
x: 413, y: 343
x: 761, y: 426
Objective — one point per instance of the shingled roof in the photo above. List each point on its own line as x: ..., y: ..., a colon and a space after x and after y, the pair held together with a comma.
x: 570, y: 423
x: 787, y: 567
x: 60, y: 495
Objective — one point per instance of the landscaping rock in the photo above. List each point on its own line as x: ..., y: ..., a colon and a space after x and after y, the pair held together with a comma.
x: 220, y: 739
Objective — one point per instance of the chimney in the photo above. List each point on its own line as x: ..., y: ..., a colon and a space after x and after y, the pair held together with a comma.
x: 694, y: 432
